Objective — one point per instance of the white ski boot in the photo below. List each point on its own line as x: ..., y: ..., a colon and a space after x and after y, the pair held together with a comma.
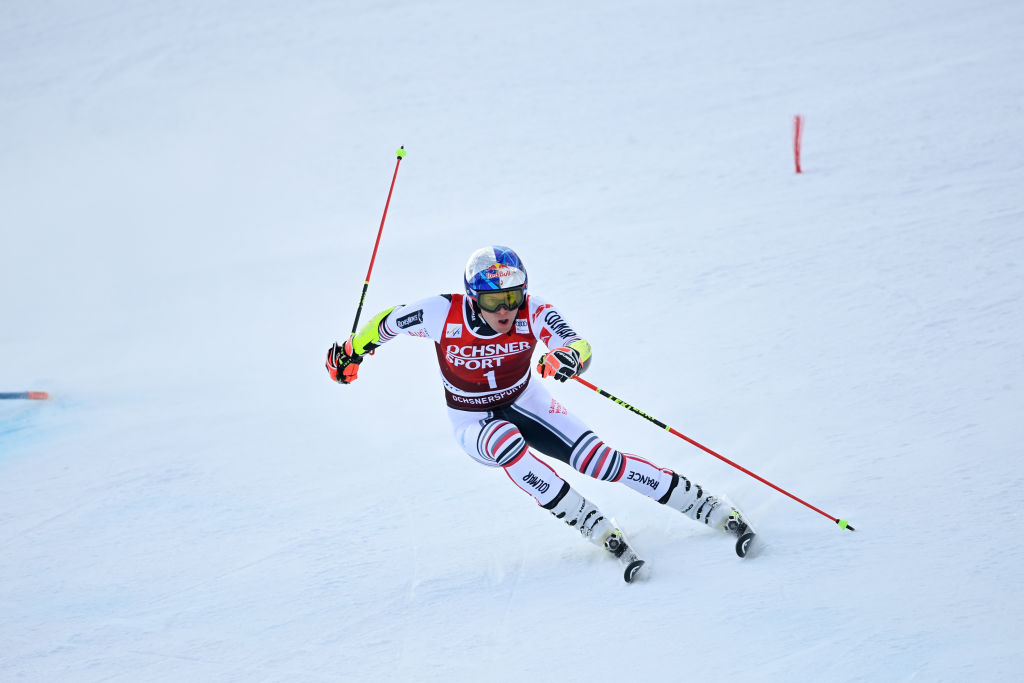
x: 694, y: 502
x: 578, y: 512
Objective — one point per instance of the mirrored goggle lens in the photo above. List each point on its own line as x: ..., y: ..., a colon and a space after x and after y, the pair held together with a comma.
x: 492, y: 301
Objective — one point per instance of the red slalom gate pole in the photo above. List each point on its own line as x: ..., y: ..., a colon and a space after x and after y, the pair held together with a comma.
x: 798, y: 134
x: 843, y: 524
x: 400, y: 153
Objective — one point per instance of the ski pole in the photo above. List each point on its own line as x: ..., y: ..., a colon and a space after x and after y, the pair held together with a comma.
x: 400, y: 153
x: 30, y: 395
x: 843, y: 524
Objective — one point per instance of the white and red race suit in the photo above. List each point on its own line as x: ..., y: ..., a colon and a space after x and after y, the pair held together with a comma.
x: 480, y: 368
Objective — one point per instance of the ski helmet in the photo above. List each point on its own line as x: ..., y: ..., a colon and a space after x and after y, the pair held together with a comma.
x: 492, y: 269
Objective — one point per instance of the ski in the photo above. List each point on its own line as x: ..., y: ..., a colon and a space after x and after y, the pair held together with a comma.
x: 631, y: 569
x: 743, y: 543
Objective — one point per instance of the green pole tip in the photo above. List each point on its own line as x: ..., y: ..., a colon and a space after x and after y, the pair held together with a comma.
x: 844, y: 524
x: 400, y: 152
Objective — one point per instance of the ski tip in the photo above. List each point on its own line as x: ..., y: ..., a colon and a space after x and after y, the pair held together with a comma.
x: 632, y: 569
x: 743, y: 543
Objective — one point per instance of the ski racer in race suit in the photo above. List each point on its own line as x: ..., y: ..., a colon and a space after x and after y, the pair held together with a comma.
x: 484, y: 340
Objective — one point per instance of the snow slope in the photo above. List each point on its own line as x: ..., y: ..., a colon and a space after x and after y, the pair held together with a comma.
x: 190, y: 193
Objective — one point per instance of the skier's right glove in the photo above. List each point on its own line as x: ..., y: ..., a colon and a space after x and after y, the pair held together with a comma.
x: 343, y: 362
x: 561, y: 363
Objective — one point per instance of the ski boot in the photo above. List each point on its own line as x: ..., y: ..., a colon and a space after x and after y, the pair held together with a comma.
x: 581, y: 514
x: 693, y: 501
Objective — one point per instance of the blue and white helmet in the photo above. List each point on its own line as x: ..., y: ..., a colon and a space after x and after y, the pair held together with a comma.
x: 493, y: 269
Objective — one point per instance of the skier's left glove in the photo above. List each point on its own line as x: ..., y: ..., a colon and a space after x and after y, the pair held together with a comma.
x: 343, y: 362
x: 561, y: 363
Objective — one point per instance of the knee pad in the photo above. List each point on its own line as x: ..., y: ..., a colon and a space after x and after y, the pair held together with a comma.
x: 592, y: 457
x: 499, y: 443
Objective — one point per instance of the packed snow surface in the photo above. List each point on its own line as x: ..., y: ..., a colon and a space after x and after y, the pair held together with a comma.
x: 190, y: 194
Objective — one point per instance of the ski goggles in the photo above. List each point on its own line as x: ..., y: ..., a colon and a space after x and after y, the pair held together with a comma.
x: 511, y: 299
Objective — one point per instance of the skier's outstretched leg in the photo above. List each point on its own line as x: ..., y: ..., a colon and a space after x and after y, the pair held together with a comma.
x: 593, y: 457
x: 548, y: 426
x: 679, y: 493
x: 497, y: 442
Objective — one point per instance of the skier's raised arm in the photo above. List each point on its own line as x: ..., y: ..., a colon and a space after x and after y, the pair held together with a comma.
x: 420, y: 319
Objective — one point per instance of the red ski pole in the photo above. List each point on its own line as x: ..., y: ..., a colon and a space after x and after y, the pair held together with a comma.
x: 843, y: 524
x: 400, y: 153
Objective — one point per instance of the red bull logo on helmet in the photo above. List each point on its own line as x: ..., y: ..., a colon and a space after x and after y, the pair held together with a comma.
x: 497, y: 272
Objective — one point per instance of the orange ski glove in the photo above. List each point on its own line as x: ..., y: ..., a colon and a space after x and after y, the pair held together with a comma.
x: 561, y: 363
x: 343, y: 363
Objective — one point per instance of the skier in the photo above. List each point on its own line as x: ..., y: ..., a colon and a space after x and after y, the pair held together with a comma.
x: 484, y: 341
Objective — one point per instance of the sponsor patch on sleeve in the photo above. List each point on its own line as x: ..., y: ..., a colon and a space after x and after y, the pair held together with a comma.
x: 407, y: 321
